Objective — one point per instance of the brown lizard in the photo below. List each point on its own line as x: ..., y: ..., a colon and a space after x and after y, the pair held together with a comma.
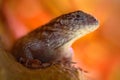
x: 52, y: 42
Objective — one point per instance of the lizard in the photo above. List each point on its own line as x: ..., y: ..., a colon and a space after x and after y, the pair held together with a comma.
x: 52, y: 42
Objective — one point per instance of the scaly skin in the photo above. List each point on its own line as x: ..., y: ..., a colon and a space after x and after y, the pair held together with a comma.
x: 51, y: 42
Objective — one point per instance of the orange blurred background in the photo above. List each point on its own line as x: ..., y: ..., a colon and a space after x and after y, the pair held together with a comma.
x: 98, y: 52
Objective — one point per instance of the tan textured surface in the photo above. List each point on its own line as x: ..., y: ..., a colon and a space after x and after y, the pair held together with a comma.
x: 11, y: 70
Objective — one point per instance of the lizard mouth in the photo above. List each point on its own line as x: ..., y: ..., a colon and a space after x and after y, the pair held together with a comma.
x: 93, y: 27
x: 91, y: 23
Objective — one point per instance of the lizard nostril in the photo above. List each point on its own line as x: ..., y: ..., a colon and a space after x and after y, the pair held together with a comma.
x: 91, y: 20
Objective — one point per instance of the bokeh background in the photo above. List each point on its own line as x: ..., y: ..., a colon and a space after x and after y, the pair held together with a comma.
x: 98, y: 52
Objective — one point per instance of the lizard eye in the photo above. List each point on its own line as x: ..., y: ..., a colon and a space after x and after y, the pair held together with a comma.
x: 77, y: 16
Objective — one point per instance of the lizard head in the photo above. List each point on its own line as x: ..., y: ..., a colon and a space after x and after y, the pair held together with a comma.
x: 77, y: 21
x: 71, y: 26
